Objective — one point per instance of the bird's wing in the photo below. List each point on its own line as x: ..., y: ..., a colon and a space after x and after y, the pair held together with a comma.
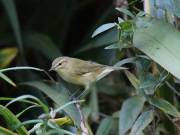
x: 88, y: 68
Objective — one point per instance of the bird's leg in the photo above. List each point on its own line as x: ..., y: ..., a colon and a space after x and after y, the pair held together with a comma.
x: 73, y: 96
x: 85, y: 92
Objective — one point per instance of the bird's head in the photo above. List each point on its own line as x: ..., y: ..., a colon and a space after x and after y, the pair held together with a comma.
x: 59, y: 63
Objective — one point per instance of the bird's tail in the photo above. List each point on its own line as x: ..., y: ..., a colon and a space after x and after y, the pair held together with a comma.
x: 108, y: 70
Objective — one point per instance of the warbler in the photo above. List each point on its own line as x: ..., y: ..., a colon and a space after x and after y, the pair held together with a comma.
x: 80, y: 72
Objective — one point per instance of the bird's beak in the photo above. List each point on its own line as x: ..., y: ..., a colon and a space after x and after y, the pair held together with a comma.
x: 51, y: 69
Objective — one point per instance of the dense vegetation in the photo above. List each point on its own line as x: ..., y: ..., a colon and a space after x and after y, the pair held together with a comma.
x: 140, y: 100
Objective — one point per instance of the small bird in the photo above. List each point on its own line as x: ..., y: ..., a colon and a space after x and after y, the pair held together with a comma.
x: 80, y: 72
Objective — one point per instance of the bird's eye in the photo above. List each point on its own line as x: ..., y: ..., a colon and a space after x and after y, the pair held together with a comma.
x: 60, y: 64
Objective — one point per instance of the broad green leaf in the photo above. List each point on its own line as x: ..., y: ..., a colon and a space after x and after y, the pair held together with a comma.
x: 160, y: 41
x: 7, y: 55
x: 10, y: 8
x: 42, y: 43
x: 126, y: 12
x: 165, y: 106
x: 12, y: 121
x: 5, y: 131
x: 105, y: 126
x: 103, y: 28
x: 7, y: 79
x: 59, y: 94
x: 130, y: 110
x: 142, y: 122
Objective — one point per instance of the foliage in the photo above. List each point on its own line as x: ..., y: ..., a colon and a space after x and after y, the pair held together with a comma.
x: 141, y: 99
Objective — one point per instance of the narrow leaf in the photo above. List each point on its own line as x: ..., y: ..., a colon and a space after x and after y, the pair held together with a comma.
x: 130, y: 110
x: 5, y: 131
x: 125, y: 61
x: 103, y: 28
x: 7, y: 79
x: 132, y: 78
x: 126, y: 12
x: 106, y: 38
x: 94, y: 104
x: 23, y: 97
x: 105, y: 126
x: 113, y: 46
x: 165, y: 106
x: 142, y: 122
x: 12, y: 121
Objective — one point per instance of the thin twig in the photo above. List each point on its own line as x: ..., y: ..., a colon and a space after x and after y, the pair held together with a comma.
x: 82, y: 124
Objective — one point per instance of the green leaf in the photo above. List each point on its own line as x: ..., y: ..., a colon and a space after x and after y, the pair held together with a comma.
x: 12, y: 14
x: 132, y: 78
x: 165, y: 106
x: 103, y: 28
x: 120, y: 20
x: 26, y: 109
x: 7, y: 79
x: 59, y: 94
x: 148, y: 83
x: 94, y: 103
x: 130, y: 110
x: 23, y: 97
x: 160, y: 41
x: 5, y: 131
x: 106, y: 38
x: 142, y: 122
x: 125, y: 61
x: 117, y: 45
x: 105, y: 126
x: 113, y: 46
x: 7, y: 55
x: 141, y: 13
x: 12, y: 121
x: 20, y: 68
x: 126, y: 12
x: 26, y: 68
